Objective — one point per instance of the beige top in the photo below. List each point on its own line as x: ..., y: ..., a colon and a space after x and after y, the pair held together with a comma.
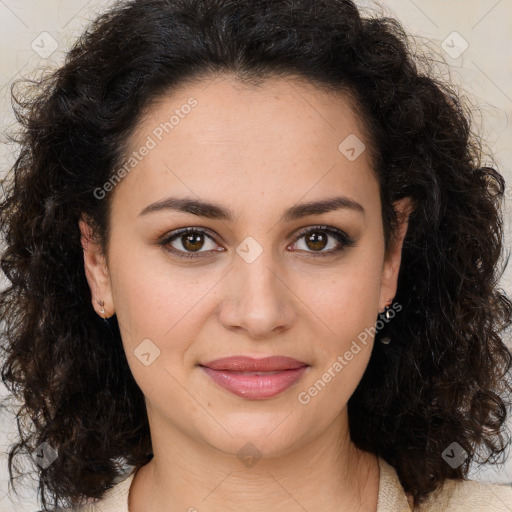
x: 454, y: 496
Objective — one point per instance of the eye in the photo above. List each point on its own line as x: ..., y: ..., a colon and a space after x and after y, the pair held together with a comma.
x: 318, y: 238
x: 191, y: 242
x: 187, y: 241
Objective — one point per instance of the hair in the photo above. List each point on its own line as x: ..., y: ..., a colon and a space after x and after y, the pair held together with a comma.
x: 446, y: 375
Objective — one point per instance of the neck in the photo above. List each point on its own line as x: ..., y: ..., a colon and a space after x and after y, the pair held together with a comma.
x: 325, y: 473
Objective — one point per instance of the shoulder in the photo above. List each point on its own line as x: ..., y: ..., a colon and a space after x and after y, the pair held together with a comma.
x: 469, y: 495
x: 452, y: 496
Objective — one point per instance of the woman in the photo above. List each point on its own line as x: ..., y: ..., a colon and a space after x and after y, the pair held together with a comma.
x: 253, y: 260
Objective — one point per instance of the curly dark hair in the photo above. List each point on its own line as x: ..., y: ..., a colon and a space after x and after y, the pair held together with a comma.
x: 446, y: 375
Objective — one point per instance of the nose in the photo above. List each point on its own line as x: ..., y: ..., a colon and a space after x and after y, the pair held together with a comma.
x: 257, y: 298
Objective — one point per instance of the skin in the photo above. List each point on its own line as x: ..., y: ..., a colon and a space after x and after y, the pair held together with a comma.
x: 257, y: 151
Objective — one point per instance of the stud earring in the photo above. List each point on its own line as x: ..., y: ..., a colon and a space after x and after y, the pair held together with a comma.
x: 386, y: 340
x: 102, y: 306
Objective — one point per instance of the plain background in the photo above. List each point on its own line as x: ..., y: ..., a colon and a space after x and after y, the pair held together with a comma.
x: 473, y: 36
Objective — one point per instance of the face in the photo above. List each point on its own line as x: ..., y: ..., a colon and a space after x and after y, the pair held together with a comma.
x: 259, y: 273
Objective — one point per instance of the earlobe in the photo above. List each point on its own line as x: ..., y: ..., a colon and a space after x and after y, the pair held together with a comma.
x: 96, y: 271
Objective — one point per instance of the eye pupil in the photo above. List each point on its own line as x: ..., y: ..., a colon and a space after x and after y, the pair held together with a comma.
x: 191, y: 240
x: 318, y: 239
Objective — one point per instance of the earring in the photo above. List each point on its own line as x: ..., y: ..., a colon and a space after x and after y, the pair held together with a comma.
x: 386, y: 339
x: 102, y: 306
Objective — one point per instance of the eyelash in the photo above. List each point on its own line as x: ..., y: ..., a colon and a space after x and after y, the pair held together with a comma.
x: 337, y: 234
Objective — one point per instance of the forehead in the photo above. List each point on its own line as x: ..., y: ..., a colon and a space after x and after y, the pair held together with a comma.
x: 221, y: 135
x: 226, y: 106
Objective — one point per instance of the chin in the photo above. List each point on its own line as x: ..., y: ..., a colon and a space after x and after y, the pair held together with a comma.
x: 266, y: 434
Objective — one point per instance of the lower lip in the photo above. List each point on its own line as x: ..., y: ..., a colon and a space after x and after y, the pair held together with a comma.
x: 255, y: 387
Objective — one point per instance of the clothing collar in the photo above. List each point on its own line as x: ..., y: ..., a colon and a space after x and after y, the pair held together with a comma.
x: 391, y: 497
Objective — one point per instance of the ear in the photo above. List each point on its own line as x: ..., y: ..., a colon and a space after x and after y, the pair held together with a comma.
x: 96, y: 271
x: 392, y: 260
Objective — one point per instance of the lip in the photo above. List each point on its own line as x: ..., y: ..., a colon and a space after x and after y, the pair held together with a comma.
x: 255, y: 379
x: 250, y: 364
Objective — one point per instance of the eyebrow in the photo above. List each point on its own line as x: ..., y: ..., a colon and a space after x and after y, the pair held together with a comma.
x: 213, y: 211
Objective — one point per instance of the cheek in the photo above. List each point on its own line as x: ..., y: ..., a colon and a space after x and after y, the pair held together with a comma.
x: 157, y: 302
x: 348, y: 314
x: 347, y: 307
x: 347, y: 301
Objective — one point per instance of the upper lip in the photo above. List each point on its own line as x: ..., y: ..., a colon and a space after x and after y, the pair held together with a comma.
x: 249, y: 364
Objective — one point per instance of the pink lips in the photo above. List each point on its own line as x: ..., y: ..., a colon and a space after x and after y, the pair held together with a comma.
x: 255, y: 379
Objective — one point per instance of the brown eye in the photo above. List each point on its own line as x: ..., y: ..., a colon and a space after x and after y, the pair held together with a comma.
x: 316, y: 240
x: 193, y: 241
x: 190, y: 242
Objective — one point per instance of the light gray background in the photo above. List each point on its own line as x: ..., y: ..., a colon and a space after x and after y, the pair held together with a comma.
x: 29, y: 28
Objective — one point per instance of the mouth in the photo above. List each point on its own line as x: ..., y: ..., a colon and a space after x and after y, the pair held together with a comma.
x: 250, y: 364
x: 255, y: 379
